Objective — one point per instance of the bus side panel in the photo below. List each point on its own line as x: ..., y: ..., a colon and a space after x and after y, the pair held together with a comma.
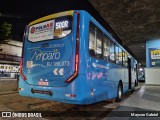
x: 80, y: 88
x: 99, y: 74
x: 119, y: 75
x: 83, y: 38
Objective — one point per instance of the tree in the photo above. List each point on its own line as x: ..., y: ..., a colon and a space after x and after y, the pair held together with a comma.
x: 5, y: 31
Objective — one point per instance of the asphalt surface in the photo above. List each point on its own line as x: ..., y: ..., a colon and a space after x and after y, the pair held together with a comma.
x: 143, y: 98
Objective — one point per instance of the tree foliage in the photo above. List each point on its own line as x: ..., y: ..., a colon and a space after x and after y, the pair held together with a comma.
x: 5, y: 31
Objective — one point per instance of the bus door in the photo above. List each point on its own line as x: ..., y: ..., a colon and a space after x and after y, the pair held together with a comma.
x: 129, y: 73
x: 137, y: 74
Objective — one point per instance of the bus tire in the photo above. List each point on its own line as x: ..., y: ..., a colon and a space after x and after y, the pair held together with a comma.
x: 119, y: 92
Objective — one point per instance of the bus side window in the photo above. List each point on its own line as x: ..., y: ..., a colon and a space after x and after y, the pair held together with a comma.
x: 95, y: 41
x: 120, y: 57
x: 125, y: 59
x: 99, y: 44
x: 112, y: 52
x: 106, y: 48
x: 126, y: 62
x: 92, y: 40
x: 117, y: 54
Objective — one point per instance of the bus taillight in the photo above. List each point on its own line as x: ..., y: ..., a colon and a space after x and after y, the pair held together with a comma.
x: 22, y: 57
x: 76, y: 63
x: 77, y: 51
x: 21, y: 67
x: 20, y: 88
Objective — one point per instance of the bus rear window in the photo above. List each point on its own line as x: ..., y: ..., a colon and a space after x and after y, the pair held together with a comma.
x: 51, y: 29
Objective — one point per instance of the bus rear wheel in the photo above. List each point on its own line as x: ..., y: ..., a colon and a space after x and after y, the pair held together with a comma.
x: 119, y: 92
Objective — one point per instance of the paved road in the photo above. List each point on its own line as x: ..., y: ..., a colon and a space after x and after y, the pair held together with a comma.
x: 146, y: 98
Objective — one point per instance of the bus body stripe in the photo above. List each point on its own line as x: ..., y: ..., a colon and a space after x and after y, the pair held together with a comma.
x: 51, y: 16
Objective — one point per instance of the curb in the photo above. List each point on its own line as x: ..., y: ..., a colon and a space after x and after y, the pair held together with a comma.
x: 8, y: 92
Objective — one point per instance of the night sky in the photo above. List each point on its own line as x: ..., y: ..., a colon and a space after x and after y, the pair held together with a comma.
x: 21, y: 12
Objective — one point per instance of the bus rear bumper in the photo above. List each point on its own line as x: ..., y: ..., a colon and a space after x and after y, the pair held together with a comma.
x: 60, y: 94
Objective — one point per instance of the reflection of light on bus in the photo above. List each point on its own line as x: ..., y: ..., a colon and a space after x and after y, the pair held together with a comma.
x: 70, y: 63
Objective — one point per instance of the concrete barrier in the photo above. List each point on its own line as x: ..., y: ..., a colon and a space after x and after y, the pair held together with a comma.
x: 8, y: 85
x: 152, y: 76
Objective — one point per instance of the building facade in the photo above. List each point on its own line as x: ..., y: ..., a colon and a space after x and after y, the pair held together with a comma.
x: 10, y: 55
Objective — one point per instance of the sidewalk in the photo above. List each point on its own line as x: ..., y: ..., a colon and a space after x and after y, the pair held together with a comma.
x: 143, y: 100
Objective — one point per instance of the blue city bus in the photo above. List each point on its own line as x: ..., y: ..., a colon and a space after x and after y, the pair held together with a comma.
x: 70, y: 57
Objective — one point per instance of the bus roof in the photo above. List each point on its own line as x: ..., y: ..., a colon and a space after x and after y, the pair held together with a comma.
x: 60, y: 14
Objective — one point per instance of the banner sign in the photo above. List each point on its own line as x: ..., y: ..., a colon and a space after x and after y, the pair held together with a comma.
x: 154, y: 56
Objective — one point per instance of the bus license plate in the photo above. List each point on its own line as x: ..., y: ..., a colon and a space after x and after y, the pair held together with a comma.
x: 42, y: 83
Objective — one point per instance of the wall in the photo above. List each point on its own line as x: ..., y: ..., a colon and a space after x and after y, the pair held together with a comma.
x: 152, y: 76
x: 149, y: 45
x: 152, y: 70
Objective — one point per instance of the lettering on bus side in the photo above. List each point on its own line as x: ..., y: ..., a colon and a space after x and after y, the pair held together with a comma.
x: 48, y: 58
x: 63, y: 24
x: 45, y: 56
x: 41, y: 28
x: 58, y: 64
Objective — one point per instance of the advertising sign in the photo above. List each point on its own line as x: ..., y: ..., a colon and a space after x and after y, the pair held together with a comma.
x: 41, y: 31
x: 154, y: 56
